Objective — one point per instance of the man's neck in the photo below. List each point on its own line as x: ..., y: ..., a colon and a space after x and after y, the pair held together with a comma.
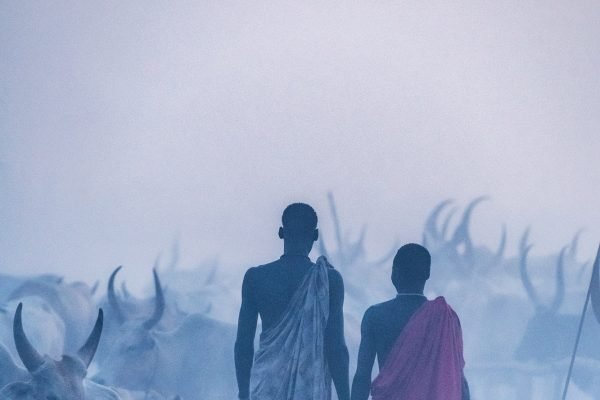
x: 293, y: 249
x: 410, y: 291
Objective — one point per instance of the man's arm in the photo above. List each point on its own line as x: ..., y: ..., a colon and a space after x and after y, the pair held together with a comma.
x: 335, y: 344
x: 244, y: 344
x: 466, y: 393
x: 361, y: 385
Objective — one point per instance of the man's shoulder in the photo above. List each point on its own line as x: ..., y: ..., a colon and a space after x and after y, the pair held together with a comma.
x: 380, y: 309
x: 261, y: 269
x: 382, y: 306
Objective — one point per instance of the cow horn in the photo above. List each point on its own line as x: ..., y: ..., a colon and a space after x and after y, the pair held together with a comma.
x: 112, y: 296
x: 174, y: 254
x: 560, y: 281
x: 431, y: 226
x: 575, y: 244
x: 159, y: 307
x: 210, y: 278
x: 501, y: 248
x: 447, y: 220
x: 524, y: 239
x: 323, y: 247
x: 337, y: 229
x: 524, y: 251
x: 94, y: 288
x: 27, y: 353
x: 461, y: 234
x: 582, y: 270
x: 125, y: 291
x: 357, y: 248
x: 87, y: 351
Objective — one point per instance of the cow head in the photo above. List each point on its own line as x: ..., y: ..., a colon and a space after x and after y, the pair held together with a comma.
x: 548, y: 334
x: 51, y: 379
x: 132, y: 353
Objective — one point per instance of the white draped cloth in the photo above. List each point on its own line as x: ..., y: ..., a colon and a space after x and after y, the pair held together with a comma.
x: 290, y: 363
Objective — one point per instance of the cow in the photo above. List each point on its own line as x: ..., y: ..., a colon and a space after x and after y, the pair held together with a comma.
x: 73, y: 302
x: 550, y: 335
x: 194, y: 359
x: 132, y: 308
x: 131, y: 311
x: 46, y: 378
x: 46, y: 328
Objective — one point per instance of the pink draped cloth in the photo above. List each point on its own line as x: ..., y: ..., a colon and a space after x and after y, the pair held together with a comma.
x: 426, y: 362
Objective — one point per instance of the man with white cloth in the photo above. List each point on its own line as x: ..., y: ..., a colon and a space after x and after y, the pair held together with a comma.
x: 302, y: 346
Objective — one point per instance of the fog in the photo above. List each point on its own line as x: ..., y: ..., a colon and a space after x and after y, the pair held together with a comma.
x: 125, y: 126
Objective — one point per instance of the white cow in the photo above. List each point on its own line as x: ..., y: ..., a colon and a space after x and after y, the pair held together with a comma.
x: 48, y: 379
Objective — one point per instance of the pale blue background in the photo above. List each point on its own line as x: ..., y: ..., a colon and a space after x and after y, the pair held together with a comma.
x: 124, y: 124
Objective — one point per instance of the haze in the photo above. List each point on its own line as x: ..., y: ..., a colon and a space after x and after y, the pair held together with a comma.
x: 127, y: 125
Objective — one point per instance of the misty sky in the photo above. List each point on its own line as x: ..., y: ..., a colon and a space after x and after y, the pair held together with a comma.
x: 126, y: 124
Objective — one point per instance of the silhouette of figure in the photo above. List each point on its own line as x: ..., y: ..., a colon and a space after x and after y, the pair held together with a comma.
x: 418, y: 343
x: 302, y: 346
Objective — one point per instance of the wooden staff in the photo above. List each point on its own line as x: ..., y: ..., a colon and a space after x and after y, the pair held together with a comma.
x: 593, y: 280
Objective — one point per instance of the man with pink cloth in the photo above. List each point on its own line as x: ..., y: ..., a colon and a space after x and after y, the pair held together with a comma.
x: 418, y: 342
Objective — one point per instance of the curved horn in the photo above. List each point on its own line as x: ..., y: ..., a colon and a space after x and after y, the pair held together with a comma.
x: 174, y: 254
x: 461, y: 234
x: 210, y: 277
x: 337, y: 229
x: 575, y: 244
x: 560, y: 281
x: 112, y: 297
x: 87, y: 351
x: 125, y: 291
x: 581, y: 271
x: 94, y: 288
x: 525, y: 276
x: 159, y: 307
x: 499, y: 256
x: 323, y: 247
x: 358, y: 247
x: 27, y: 353
x: 447, y: 221
x: 431, y: 228
x: 524, y: 239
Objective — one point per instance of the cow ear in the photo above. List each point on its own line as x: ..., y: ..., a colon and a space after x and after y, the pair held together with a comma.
x: 17, y: 390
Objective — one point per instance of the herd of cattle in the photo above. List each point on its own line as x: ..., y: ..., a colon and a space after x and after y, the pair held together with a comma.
x: 71, y: 341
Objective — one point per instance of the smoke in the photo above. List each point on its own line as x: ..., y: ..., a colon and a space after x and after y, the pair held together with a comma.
x: 123, y: 126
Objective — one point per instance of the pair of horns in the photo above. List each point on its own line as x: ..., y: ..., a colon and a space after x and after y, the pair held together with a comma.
x: 159, y: 304
x: 560, y: 280
x: 461, y: 234
x: 30, y: 356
